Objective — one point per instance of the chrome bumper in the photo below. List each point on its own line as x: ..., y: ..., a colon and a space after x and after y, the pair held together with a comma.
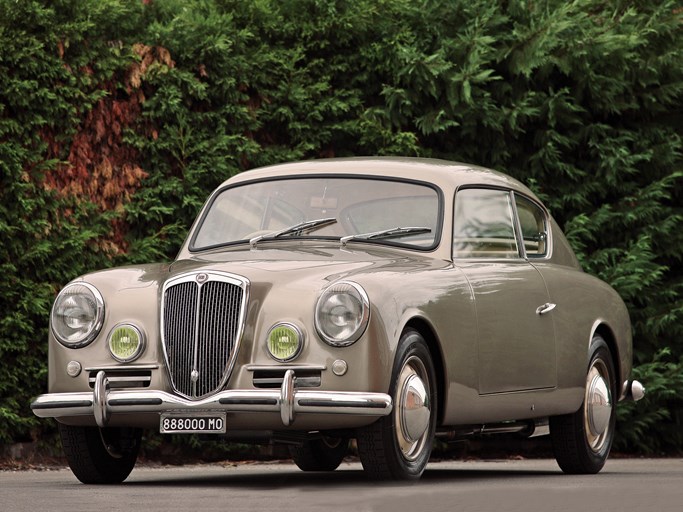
x: 288, y: 401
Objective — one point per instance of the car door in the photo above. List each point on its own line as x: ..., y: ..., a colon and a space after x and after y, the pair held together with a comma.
x: 516, y: 339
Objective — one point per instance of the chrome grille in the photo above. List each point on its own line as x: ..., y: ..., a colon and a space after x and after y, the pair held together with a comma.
x: 202, y: 317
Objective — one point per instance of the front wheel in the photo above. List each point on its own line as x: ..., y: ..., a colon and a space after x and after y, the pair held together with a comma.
x: 582, y: 440
x: 100, y: 455
x: 398, y: 446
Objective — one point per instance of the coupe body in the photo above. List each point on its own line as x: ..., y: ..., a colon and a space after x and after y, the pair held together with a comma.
x: 379, y: 299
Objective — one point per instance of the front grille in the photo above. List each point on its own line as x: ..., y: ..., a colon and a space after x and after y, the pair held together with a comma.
x: 202, y: 317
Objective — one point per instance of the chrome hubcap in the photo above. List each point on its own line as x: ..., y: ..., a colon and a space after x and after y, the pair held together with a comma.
x: 415, y: 417
x: 598, y: 406
x: 413, y: 409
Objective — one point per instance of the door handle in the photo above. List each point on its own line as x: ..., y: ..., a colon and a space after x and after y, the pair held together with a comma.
x: 545, y: 308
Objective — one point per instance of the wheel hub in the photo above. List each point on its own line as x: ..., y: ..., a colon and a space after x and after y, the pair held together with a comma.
x: 414, y: 408
x: 599, y: 405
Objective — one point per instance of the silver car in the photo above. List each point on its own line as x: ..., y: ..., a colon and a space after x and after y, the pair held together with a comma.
x: 385, y: 300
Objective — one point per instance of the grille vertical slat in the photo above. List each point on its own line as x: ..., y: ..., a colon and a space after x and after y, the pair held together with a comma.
x: 179, y: 316
x: 210, y: 332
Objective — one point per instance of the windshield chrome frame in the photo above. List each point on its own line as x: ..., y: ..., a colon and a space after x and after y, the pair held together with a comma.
x: 207, y: 207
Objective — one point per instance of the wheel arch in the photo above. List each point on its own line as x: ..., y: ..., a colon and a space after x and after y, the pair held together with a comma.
x: 434, y: 345
x: 605, y: 332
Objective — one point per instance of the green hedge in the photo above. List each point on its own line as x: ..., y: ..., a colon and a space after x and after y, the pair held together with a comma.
x: 118, y: 117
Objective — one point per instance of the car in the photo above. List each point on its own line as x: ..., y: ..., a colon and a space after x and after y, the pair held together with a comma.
x: 387, y: 300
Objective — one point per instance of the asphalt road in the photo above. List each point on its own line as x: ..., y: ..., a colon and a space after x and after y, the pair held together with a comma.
x: 643, y: 485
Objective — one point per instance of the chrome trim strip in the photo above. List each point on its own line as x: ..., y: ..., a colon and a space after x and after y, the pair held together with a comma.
x: 128, y: 367
x: 140, y: 401
x: 301, y: 382
x: 244, y: 401
x: 285, y: 367
x: 58, y: 405
x: 123, y: 378
x: 341, y: 404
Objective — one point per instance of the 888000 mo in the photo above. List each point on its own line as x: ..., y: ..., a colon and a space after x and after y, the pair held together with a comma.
x: 207, y: 423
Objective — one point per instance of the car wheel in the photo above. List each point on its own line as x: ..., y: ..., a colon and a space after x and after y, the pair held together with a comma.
x: 398, y: 446
x: 100, y: 455
x: 582, y: 440
x: 324, y: 454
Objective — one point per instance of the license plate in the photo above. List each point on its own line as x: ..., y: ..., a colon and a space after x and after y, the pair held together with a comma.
x: 174, y: 423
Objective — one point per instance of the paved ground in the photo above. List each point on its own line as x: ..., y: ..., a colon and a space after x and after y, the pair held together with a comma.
x: 643, y: 485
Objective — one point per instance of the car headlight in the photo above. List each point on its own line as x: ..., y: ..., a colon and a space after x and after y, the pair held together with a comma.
x: 77, y: 315
x: 126, y: 342
x: 285, y: 342
x: 342, y: 313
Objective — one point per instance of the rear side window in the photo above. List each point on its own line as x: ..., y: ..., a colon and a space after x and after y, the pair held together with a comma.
x: 484, y: 225
x: 534, y: 227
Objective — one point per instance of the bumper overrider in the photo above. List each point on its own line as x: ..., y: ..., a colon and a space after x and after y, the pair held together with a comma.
x: 289, y: 401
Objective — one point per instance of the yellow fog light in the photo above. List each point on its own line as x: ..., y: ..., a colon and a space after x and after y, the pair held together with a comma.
x: 285, y: 342
x: 126, y: 342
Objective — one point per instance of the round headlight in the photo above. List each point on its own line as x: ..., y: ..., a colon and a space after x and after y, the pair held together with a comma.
x: 126, y: 342
x: 342, y: 313
x: 77, y: 315
x: 285, y: 342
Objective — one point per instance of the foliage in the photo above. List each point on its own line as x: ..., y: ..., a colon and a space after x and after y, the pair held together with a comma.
x: 54, y: 64
x: 118, y: 117
x: 664, y: 380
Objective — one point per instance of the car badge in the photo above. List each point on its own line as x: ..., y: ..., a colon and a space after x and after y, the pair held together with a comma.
x: 194, y: 375
x: 202, y: 278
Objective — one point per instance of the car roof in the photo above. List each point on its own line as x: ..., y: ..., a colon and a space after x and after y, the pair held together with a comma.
x: 443, y: 173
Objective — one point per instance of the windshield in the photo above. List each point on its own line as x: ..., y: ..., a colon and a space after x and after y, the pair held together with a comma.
x: 359, y: 206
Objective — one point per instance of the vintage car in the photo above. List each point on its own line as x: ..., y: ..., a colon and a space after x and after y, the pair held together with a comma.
x: 386, y: 300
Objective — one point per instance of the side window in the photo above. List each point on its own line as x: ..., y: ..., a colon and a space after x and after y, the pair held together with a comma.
x: 534, y: 227
x: 483, y: 225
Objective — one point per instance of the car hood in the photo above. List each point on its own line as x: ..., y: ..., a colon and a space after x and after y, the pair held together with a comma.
x: 286, y: 265
x: 293, y: 262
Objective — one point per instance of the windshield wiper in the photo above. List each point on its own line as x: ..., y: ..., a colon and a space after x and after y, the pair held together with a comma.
x: 295, y: 230
x: 386, y: 234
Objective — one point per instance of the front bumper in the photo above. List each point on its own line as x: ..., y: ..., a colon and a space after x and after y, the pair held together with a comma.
x: 288, y: 401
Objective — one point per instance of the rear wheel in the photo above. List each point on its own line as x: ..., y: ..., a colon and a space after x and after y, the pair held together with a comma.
x: 398, y: 446
x: 100, y: 455
x: 323, y: 454
x: 582, y: 440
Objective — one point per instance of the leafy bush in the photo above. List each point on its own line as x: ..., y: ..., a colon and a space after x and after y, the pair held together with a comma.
x: 118, y: 117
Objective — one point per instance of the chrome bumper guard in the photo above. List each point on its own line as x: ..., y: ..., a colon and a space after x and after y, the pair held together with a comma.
x: 288, y: 401
x: 632, y: 390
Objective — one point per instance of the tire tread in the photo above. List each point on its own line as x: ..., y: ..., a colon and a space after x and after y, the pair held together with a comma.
x: 315, y: 455
x: 379, y: 455
x: 90, y: 461
x: 567, y: 432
